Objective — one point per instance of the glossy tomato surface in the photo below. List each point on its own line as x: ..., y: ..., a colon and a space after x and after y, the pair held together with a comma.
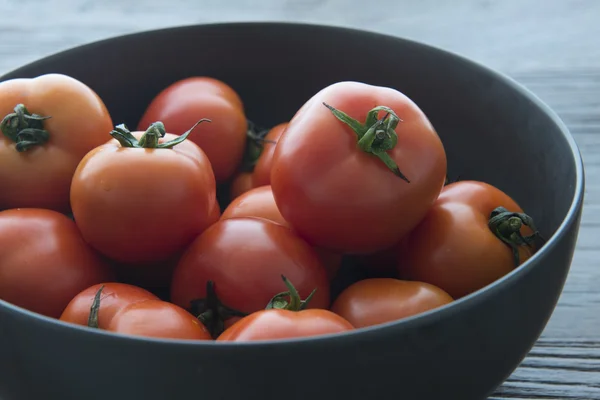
x: 40, y: 176
x: 261, y: 174
x: 245, y: 258
x: 44, y: 261
x: 337, y: 196
x: 159, y: 199
x: 378, y: 300
x: 453, y: 247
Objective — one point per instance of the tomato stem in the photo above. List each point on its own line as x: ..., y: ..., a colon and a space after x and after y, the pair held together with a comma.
x: 24, y: 128
x: 377, y: 135
x: 151, y: 137
x: 254, y: 146
x: 506, y: 225
x: 212, y: 312
x: 93, y: 317
x: 295, y: 302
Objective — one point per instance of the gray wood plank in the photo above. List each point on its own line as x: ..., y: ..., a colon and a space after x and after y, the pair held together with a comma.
x: 550, y: 46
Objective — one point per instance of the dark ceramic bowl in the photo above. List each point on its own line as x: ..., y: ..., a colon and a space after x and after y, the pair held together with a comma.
x: 493, y: 130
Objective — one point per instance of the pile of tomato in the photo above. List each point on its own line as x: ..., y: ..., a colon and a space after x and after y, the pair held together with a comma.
x: 200, y: 225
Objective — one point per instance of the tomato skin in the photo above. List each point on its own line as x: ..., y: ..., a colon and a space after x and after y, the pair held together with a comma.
x: 184, y: 102
x: 44, y: 261
x: 41, y: 176
x: 277, y: 324
x: 159, y: 199
x: 114, y: 297
x: 378, y: 300
x: 260, y: 203
x: 159, y: 319
x: 240, y: 184
x: 337, y: 196
x: 453, y: 248
x: 245, y: 258
x: 261, y: 174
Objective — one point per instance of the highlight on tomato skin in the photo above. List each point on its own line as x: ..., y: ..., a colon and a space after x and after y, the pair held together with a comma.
x: 357, y: 168
x: 455, y: 248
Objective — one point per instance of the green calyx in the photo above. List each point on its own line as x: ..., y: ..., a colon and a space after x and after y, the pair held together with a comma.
x: 289, y: 300
x: 506, y: 225
x: 150, y: 138
x: 24, y: 128
x: 212, y: 312
x: 376, y: 136
x: 254, y: 146
x: 93, y: 317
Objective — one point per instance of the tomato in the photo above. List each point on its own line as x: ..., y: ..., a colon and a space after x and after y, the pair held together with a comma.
x: 261, y: 174
x: 244, y: 258
x: 113, y: 297
x: 184, y: 102
x: 357, y: 197
x: 287, y: 320
x: 455, y: 249
x: 378, y: 300
x: 44, y: 261
x: 240, y: 184
x: 66, y: 119
x: 259, y: 202
x: 136, y: 203
x: 159, y: 319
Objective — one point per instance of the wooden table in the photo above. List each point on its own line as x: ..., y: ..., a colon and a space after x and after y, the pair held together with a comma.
x: 552, y: 47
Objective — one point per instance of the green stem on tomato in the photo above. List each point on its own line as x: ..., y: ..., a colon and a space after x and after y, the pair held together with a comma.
x: 212, y: 312
x: 24, y: 128
x: 294, y: 302
x: 376, y: 136
x: 93, y: 317
x: 506, y: 225
x: 254, y: 146
x: 151, y: 137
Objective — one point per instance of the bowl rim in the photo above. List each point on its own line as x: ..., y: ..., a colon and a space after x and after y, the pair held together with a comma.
x: 358, y: 333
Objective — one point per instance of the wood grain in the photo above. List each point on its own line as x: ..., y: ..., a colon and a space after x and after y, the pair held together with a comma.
x: 552, y: 47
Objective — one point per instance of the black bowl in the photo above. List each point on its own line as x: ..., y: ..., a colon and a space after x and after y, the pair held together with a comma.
x: 493, y: 130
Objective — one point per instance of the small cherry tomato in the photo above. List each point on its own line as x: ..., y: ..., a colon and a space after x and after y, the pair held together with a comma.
x: 465, y: 242
x: 159, y: 319
x: 186, y: 101
x: 284, y: 321
x: 260, y: 203
x: 48, y: 124
x: 114, y: 296
x: 378, y: 300
x: 357, y: 168
x: 143, y: 198
x: 44, y: 261
x: 261, y: 174
x: 244, y: 258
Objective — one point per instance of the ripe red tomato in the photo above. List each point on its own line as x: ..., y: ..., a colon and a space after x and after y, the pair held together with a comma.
x: 64, y: 119
x: 244, y: 258
x: 261, y: 174
x: 159, y: 319
x: 240, y: 184
x: 348, y: 194
x: 44, y: 261
x: 260, y: 203
x: 136, y: 203
x: 378, y: 300
x: 184, y: 102
x: 113, y: 297
x: 455, y: 249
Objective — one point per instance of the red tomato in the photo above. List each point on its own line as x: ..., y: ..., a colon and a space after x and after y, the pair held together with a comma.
x: 378, y: 300
x: 455, y: 249
x: 262, y: 170
x: 143, y: 205
x: 184, y: 102
x: 259, y: 202
x: 36, y: 166
x: 114, y: 297
x: 245, y: 258
x: 44, y: 261
x: 240, y: 184
x: 159, y: 319
x: 353, y: 197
